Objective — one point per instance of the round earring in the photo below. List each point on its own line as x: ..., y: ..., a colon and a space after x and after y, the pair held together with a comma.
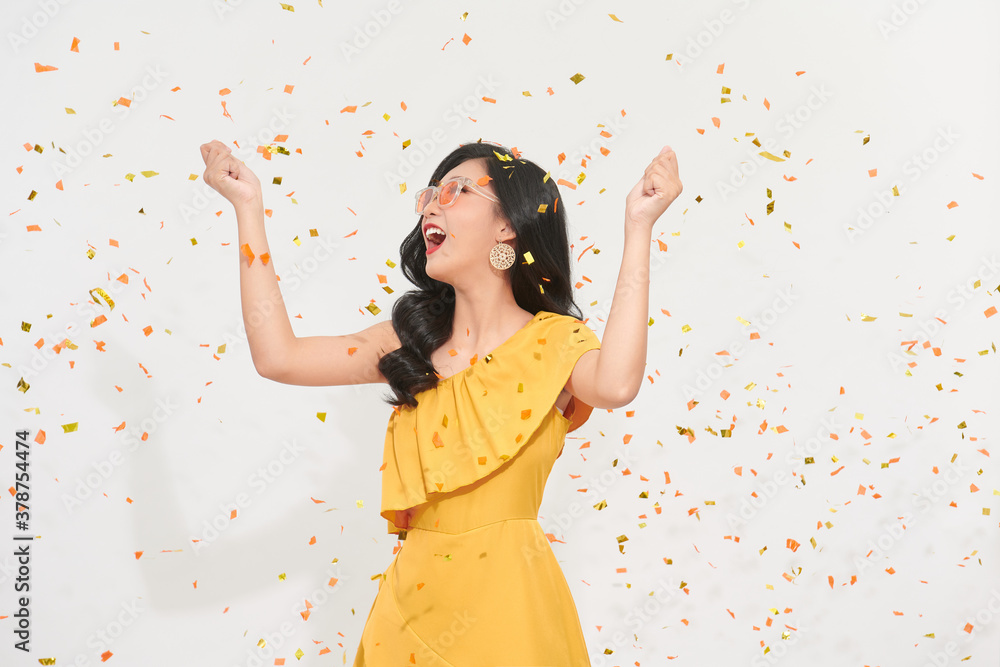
x: 502, y: 256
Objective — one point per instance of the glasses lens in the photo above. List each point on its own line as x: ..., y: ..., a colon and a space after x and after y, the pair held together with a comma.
x: 423, y: 199
x: 449, y: 192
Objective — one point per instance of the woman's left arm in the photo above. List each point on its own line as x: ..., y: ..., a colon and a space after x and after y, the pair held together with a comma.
x: 621, y: 363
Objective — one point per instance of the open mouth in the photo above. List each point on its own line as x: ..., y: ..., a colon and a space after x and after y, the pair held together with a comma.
x: 435, y: 238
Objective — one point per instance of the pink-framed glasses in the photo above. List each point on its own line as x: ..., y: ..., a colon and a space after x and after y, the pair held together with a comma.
x: 447, y: 193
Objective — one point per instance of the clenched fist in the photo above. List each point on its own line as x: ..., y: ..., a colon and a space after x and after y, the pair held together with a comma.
x: 228, y: 176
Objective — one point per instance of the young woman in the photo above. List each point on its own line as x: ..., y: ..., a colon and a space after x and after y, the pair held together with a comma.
x: 490, y: 367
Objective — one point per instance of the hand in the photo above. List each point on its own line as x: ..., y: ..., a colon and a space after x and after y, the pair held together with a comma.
x: 655, y: 191
x: 228, y: 176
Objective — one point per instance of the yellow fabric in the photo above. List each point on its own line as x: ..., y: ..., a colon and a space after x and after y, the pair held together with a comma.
x: 475, y: 581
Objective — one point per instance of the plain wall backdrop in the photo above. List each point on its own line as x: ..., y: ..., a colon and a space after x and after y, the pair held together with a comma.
x: 806, y: 477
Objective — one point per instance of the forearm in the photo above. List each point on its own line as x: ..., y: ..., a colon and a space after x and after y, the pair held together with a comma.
x: 622, y: 362
x: 265, y: 319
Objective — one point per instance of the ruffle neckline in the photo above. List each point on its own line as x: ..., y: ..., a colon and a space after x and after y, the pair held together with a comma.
x: 476, y: 420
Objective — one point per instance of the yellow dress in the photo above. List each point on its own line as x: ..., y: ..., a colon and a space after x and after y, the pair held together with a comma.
x: 475, y: 582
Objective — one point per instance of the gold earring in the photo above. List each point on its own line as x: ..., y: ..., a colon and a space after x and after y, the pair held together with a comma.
x: 502, y: 256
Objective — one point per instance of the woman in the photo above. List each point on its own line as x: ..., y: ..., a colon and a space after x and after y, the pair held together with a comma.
x: 490, y: 367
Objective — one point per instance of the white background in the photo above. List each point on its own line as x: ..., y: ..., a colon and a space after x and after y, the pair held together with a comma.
x: 919, y: 80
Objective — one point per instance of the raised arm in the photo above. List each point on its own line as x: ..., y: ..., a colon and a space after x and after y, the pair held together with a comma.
x: 276, y: 352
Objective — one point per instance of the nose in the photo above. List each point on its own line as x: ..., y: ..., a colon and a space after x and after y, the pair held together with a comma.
x: 433, y: 203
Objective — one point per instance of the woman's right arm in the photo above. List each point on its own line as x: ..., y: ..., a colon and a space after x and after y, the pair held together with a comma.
x: 276, y: 352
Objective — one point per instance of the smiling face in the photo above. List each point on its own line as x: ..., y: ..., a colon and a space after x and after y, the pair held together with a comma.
x: 471, y: 228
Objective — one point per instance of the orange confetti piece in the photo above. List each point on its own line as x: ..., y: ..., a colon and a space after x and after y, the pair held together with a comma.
x: 75, y: 45
x: 44, y: 68
x: 952, y: 204
x: 138, y: 554
x: 245, y: 249
x: 349, y: 109
x: 106, y: 655
x: 990, y: 312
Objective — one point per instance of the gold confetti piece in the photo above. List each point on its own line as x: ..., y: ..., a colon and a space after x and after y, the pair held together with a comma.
x: 542, y: 208
x: 298, y: 654
x: 670, y: 56
x: 69, y: 428
x: 23, y: 386
x: 321, y: 416
x: 261, y: 643
x: 868, y: 318
x: 686, y: 328
x: 276, y: 181
x: 104, y: 295
x: 289, y: 8
x: 130, y: 178
x: 528, y: 258
x: 742, y: 321
x: 402, y: 188
x: 615, y: 18
x: 768, y: 155
x: 601, y: 505
x: 281, y: 577
x: 149, y: 173
x: 406, y: 144
x: 503, y: 158
x: 577, y: 78
x: 360, y: 504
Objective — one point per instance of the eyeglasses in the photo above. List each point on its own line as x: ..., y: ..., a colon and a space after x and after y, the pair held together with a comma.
x: 447, y: 193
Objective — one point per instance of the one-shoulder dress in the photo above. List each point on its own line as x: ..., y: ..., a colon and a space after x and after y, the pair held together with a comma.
x: 475, y: 582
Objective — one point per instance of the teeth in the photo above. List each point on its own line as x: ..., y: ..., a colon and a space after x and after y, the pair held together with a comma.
x: 436, y: 232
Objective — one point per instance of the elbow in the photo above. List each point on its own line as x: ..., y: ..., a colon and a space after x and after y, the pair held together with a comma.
x: 626, y: 396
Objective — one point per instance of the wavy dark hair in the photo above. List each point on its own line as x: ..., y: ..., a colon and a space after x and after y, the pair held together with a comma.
x: 422, y: 318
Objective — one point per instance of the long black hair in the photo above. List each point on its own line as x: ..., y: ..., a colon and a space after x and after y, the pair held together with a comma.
x: 422, y: 318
